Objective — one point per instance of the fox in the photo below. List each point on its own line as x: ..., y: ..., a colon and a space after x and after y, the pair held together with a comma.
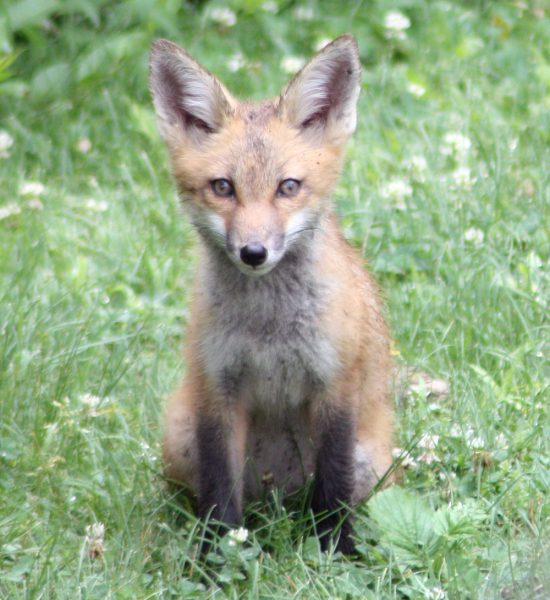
x: 287, y: 352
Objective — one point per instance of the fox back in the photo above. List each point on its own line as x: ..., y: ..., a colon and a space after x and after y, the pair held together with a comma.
x: 287, y: 351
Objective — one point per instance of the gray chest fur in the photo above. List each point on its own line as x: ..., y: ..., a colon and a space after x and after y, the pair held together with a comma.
x: 264, y: 344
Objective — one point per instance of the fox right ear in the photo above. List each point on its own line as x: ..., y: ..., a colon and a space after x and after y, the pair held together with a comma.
x: 187, y: 98
x: 323, y: 95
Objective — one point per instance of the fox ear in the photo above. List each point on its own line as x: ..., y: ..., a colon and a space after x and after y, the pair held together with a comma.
x: 324, y: 93
x: 187, y: 98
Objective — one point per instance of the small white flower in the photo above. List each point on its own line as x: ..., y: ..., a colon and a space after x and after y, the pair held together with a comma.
x: 417, y: 166
x: 6, y: 142
x: 463, y: 179
x: 477, y: 443
x: 513, y: 144
x: 35, y: 204
x: 146, y: 452
x: 270, y: 6
x: 396, y: 23
x: 303, y: 13
x: 456, y: 145
x: 321, y: 44
x: 90, y: 400
x: 406, y: 460
x: 428, y: 457
x: 236, y: 62
x: 416, y: 89
x: 95, y: 539
x: 428, y: 441
x: 474, y: 235
x: 8, y: 210
x: 32, y: 188
x: 435, y: 593
x: 95, y: 206
x: 84, y: 145
x: 455, y: 431
x: 397, y: 190
x: 501, y: 441
x: 292, y: 64
x: 237, y: 536
x: 223, y: 16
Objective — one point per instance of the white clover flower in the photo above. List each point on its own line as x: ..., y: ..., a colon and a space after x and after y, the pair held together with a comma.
x: 407, y: 461
x: 321, y: 44
x: 474, y: 236
x: 428, y: 441
x: 417, y: 165
x: 32, y: 188
x: 429, y: 457
x: 96, y: 206
x: 237, y: 536
x: 416, y: 89
x: 435, y: 593
x: 456, y: 145
x: 35, y: 204
x: 303, y: 13
x: 270, y: 6
x: 477, y: 443
x: 463, y: 179
x: 90, y: 400
x: 397, y: 190
x: 223, y: 16
x: 84, y: 145
x: 6, y: 142
x: 455, y: 431
x: 146, y: 452
x: 501, y: 441
x: 9, y: 210
x: 95, y: 539
x: 236, y: 62
x: 396, y: 23
x: 292, y: 64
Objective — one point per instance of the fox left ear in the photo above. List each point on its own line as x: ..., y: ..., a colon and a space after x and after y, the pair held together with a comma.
x: 324, y: 93
x: 188, y: 99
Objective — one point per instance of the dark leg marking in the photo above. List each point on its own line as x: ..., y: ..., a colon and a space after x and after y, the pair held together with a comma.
x: 217, y: 484
x: 334, y: 477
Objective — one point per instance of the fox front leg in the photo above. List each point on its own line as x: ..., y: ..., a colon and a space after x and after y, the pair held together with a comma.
x: 334, y: 479
x: 220, y: 454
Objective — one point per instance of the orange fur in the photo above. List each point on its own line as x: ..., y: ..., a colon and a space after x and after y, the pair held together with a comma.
x: 276, y: 350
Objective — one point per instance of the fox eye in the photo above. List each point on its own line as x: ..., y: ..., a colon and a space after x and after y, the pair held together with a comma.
x: 288, y: 188
x: 222, y: 187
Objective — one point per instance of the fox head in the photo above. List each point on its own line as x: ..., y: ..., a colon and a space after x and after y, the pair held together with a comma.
x: 256, y: 177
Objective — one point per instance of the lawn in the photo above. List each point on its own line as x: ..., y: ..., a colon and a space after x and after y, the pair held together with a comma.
x: 446, y: 193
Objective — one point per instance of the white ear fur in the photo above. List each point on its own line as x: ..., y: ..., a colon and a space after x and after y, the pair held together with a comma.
x: 325, y: 92
x: 187, y: 98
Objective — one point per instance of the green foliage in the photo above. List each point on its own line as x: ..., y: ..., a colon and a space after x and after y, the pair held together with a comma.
x: 430, y: 546
x: 445, y: 190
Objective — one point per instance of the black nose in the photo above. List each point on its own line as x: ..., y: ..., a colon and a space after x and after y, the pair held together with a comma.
x: 253, y: 254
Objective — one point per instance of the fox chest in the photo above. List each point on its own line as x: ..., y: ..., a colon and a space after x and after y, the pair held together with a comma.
x: 269, y: 355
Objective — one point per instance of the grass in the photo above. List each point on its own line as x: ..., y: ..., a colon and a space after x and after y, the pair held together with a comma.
x: 445, y: 191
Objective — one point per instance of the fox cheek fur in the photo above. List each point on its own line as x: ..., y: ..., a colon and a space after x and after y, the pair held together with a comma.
x: 287, y: 350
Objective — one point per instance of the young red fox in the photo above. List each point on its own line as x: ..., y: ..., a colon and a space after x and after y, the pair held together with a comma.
x: 287, y: 350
